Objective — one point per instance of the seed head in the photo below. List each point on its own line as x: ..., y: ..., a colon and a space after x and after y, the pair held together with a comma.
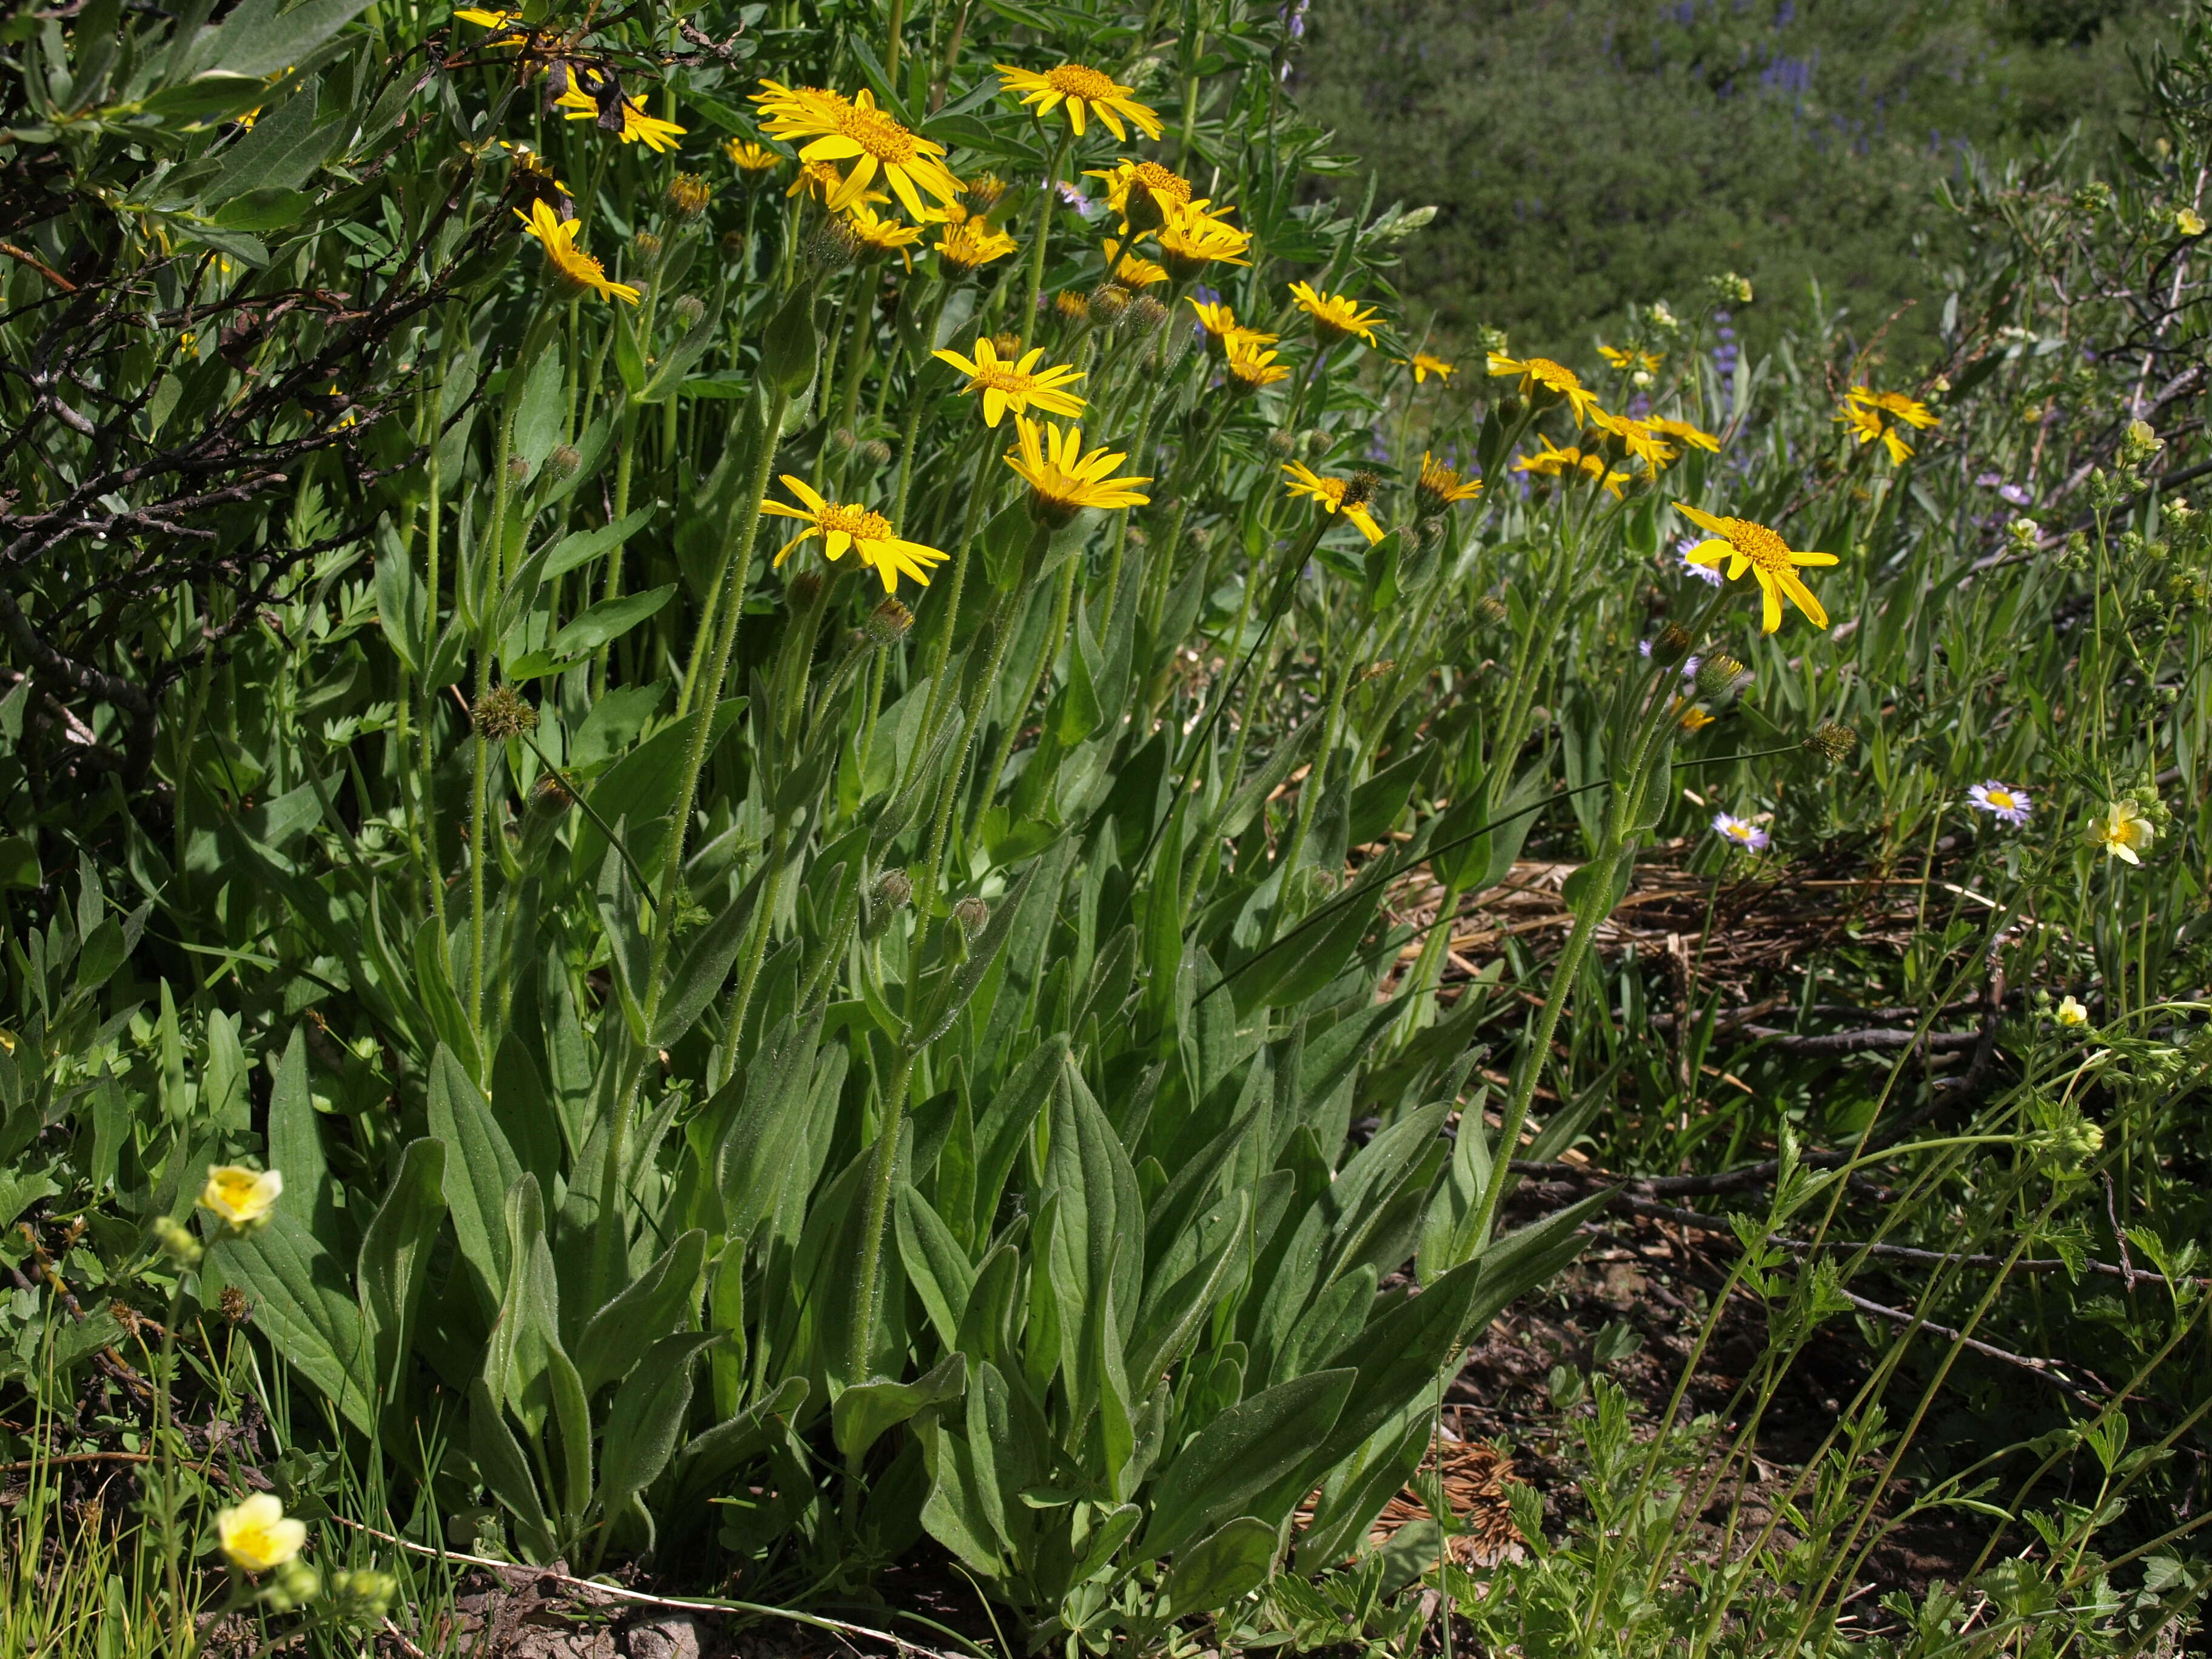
x: 124, y: 1315
x: 1832, y: 742
x: 563, y: 462
x: 971, y: 913
x: 888, y: 623
x: 236, y: 1311
x: 503, y: 712
x: 1719, y: 675
x: 689, y: 195
x: 1359, y: 490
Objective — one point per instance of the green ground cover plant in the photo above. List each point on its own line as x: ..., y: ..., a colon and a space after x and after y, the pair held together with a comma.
x: 744, y: 752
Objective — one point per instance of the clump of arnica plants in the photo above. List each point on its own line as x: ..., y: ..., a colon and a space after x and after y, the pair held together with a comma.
x: 795, y: 814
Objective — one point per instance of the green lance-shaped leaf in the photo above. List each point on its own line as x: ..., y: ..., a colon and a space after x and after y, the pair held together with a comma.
x: 1228, y: 1564
x: 651, y: 1306
x: 647, y: 1418
x: 303, y: 1305
x: 1242, y: 1454
x: 395, y: 1257
x: 867, y: 1410
x: 506, y: 1471
x: 480, y: 1168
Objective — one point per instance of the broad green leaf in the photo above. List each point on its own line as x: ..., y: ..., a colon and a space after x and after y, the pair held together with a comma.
x: 1222, y: 1567
x: 305, y: 1307
x: 866, y: 1410
x: 647, y: 1418
x: 1243, y: 1453
x: 653, y: 1305
x: 395, y: 1258
x: 480, y: 1170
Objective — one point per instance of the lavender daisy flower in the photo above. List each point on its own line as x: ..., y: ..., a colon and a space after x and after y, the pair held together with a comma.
x: 1740, y: 831
x: 1988, y: 480
x: 1709, y: 575
x: 2018, y: 495
x: 2001, y: 801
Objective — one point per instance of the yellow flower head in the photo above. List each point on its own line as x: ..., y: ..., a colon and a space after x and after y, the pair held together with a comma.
x: 1085, y: 92
x: 1545, y: 382
x: 971, y: 243
x: 817, y: 104
x: 1424, y: 365
x: 1251, y: 365
x: 1019, y: 385
x: 533, y: 168
x: 637, y: 127
x: 2123, y: 831
x: 982, y: 192
x: 1220, y: 323
x: 822, y: 181
x: 860, y: 133
x: 1754, y: 547
x: 751, y: 157
x: 1690, y: 717
x: 1335, y: 316
x: 867, y: 533
x: 1130, y: 271
x: 571, y: 262
x: 1869, y: 415
x: 1190, y: 239
x: 1683, y: 433
x: 1142, y: 193
x: 1631, y: 361
x: 1636, y: 438
x: 1442, y: 486
x: 689, y: 194
x: 241, y: 1198
x: 1348, y: 496
x: 257, y: 1534
x: 1062, y: 479
x: 1553, y: 462
x: 2070, y: 1012
x: 878, y: 237
x: 486, y: 18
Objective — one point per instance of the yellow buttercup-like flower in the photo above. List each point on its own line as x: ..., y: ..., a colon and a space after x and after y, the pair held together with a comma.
x: 1684, y: 434
x: 1636, y: 438
x: 1553, y: 462
x: 637, y: 127
x: 488, y: 19
x: 1335, y: 316
x: 971, y: 243
x: 871, y: 141
x: 1542, y: 376
x: 1634, y: 362
x: 1251, y: 365
x: 558, y: 237
x: 1062, y: 479
x: 1086, y: 91
x: 1018, y: 385
x: 1142, y: 193
x: 1130, y: 271
x: 1869, y: 416
x: 1424, y: 365
x: 842, y: 527
x: 878, y: 236
x: 1441, y: 486
x: 2124, y: 832
x: 242, y: 1198
x: 1191, y: 239
x: 257, y: 1534
x: 751, y: 157
x: 1754, y: 547
x: 1347, y: 496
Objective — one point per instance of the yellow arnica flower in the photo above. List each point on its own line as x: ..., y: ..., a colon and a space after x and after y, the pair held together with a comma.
x: 822, y: 181
x: 1870, y: 415
x: 1690, y: 717
x: 1541, y: 373
x: 1637, y: 438
x: 1623, y: 357
x: 1424, y: 365
x: 2123, y: 831
x: 1348, y: 496
x: 1222, y: 331
x: 1335, y: 316
x: 971, y: 243
x: 841, y: 527
x: 1754, y: 547
x: 878, y: 236
x: 1896, y: 405
x: 575, y: 266
x: 1142, y: 193
x: 257, y: 1534
x: 637, y: 127
x: 751, y: 157
x: 780, y: 102
x: 490, y: 19
x: 1683, y: 433
x: 860, y: 133
x: 1062, y: 479
x: 1019, y: 385
x: 1553, y: 462
x: 1131, y: 270
x: 1251, y: 365
x: 1086, y: 92
x: 1191, y: 239
x: 1441, y: 486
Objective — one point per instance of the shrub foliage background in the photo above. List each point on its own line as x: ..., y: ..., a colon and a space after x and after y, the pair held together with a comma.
x: 777, y: 1064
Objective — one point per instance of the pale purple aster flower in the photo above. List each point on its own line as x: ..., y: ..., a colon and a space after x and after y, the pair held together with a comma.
x: 1988, y: 480
x: 1073, y: 196
x: 1740, y: 831
x: 2001, y: 801
x: 1708, y: 574
x: 2018, y: 495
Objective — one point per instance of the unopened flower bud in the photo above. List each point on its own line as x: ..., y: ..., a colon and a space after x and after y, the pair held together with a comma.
x: 733, y: 245
x: 972, y: 913
x: 1072, y: 307
x: 563, y: 462
x: 518, y: 470
x: 1491, y: 609
x: 876, y: 452
x: 689, y: 195
x: 1672, y: 645
x: 177, y: 1242
x: 503, y: 712
x: 1281, y: 443
x: 888, y: 622
x: 1147, y: 314
x: 550, y: 797
x: 295, y: 1586
x: 1317, y: 442
x: 1718, y: 675
x: 832, y: 246
x: 893, y: 888
x: 845, y: 440
x: 1832, y: 742
x: 647, y: 246
x: 689, y: 309
x: 2024, y: 535
x: 805, y: 589
x: 1511, y: 408
x: 364, y: 1596
x: 1108, y: 300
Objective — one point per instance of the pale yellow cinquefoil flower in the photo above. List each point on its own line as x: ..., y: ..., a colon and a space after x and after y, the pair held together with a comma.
x: 2070, y: 1012
x: 2124, y: 832
x: 257, y: 1534
x: 239, y: 1198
